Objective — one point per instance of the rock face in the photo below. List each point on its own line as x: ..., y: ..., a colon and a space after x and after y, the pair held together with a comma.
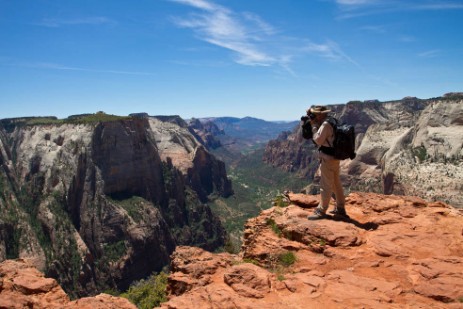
x: 207, y: 132
x: 99, y: 205
x: 23, y: 286
x: 394, y: 252
x: 409, y: 147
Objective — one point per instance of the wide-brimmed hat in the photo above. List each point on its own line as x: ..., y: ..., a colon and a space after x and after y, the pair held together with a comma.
x: 319, y: 110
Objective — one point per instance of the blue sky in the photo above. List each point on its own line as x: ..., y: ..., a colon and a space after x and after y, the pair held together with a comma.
x: 269, y: 59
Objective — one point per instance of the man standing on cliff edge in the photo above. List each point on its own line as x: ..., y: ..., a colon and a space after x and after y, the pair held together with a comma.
x: 330, y: 181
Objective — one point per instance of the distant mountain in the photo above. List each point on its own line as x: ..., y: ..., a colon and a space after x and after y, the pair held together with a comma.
x: 229, y: 137
x: 251, y: 129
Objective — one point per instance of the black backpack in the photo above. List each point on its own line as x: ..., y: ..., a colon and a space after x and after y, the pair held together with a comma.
x: 344, y: 141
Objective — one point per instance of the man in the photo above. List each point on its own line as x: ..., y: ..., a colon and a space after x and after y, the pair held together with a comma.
x: 330, y: 181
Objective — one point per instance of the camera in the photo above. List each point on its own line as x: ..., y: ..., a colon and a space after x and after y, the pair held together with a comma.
x: 310, y: 116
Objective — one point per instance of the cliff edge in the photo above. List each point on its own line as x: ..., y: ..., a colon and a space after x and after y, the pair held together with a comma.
x: 394, y: 252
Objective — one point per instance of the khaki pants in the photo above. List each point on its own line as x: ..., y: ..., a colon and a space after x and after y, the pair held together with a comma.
x: 330, y: 182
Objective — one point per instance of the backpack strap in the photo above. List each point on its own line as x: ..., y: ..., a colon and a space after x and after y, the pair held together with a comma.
x: 333, y: 123
x: 329, y: 150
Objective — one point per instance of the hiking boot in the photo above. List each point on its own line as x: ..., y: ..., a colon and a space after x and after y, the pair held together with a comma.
x: 317, y: 215
x: 339, y: 212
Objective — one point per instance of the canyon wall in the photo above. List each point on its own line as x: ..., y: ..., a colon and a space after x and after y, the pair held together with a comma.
x: 410, y: 147
x: 97, y: 205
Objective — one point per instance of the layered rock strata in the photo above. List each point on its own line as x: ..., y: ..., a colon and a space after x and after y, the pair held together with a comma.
x: 99, y: 205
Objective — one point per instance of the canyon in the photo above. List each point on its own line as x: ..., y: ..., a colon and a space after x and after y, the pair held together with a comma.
x: 99, y: 204
x: 95, y: 202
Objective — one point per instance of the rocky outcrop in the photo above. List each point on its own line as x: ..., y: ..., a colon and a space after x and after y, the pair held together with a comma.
x: 409, y: 147
x: 23, y: 286
x: 97, y: 205
x: 394, y: 252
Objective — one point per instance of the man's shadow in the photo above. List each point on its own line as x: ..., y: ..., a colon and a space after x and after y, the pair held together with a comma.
x: 368, y: 226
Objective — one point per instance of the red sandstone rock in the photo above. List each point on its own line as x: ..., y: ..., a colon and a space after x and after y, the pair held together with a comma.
x: 248, y: 280
x: 304, y: 200
x: 23, y: 286
x: 395, y: 252
x: 102, y: 301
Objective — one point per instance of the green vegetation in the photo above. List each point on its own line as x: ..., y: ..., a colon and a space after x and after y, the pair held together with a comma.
x: 460, y: 299
x: 149, y: 293
x: 9, y: 124
x: 115, y: 251
x: 10, y: 220
x: 251, y: 261
x: 278, y: 263
x: 95, y: 118
x: 287, y: 259
x: 29, y: 200
x: 281, y: 201
x: 167, y: 173
x: 43, y: 121
x: 274, y: 227
x: 62, y: 254
x: 231, y: 246
x: 64, y: 246
x: 452, y: 96
x: 255, y: 186
x: 420, y: 153
x: 132, y: 205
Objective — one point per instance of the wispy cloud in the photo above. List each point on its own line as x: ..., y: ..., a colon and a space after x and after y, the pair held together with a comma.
x: 439, y: 6
x: 60, y: 67
x: 358, y: 8
x: 430, y: 53
x: 57, y: 22
x: 200, y: 4
x: 251, y: 39
x: 330, y: 50
x: 222, y: 27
